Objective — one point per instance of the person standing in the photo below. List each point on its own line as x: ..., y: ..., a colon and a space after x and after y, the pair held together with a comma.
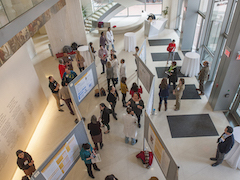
x: 103, y: 54
x: 203, y: 77
x: 80, y: 61
x: 122, y: 69
x: 61, y: 67
x: 163, y: 93
x: 25, y: 162
x: 96, y: 132
x: 110, y: 38
x: 54, y: 86
x: 137, y: 105
x: 124, y: 90
x: 135, y: 88
x: 130, y: 127
x: 172, y: 71
x: 109, y: 74
x: 225, y: 144
x: 178, y: 92
x: 87, y: 154
x: 114, y: 63
x: 64, y: 95
x: 103, y: 40
x: 171, y: 50
x: 105, y: 116
x: 112, y: 99
x: 69, y: 75
x: 136, y: 54
x: 68, y: 61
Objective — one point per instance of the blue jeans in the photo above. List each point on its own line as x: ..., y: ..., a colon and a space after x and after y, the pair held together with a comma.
x: 133, y: 141
x: 171, y: 55
x: 112, y: 47
x: 161, y: 98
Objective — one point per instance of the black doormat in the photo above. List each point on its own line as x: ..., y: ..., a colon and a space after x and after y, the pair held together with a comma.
x: 161, y: 72
x: 164, y: 56
x: 159, y: 42
x: 189, y: 92
x: 196, y: 125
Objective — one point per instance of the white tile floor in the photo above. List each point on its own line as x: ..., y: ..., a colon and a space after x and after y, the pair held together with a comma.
x: 191, y: 154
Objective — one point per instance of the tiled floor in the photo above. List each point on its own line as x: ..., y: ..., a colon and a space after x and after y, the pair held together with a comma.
x: 191, y: 154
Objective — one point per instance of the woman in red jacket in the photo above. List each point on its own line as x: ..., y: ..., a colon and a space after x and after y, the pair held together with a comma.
x: 136, y: 89
x: 61, y: 67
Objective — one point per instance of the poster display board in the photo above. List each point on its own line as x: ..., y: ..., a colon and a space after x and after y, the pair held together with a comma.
x: 144, y: 74
x: 160, y: 151
x: 64, y: 157
x: 83, y: 84
x: 151, y: 98
x: 142, y: 52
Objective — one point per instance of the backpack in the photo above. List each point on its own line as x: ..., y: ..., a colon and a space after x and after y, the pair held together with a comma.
x: 96, y: 93
x: 67, y: 49
x: 74, y: 46
x: 103, y: 92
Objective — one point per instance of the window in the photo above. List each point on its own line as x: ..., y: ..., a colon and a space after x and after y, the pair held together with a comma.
x: 122, y: 13
x: 154, y: 8
x: 203, y: 6
x: 136, y: 10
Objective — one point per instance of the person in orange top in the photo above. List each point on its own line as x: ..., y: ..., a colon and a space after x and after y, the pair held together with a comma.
x: 61, y: 67
x: 171, y: 50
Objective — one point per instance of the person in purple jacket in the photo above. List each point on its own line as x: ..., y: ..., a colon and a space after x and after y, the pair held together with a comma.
x: 163, y: 93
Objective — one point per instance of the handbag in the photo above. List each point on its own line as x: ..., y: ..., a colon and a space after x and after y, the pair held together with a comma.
x: 30, y: 170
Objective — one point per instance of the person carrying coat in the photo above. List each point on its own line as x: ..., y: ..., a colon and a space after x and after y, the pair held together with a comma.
x: 105, y: 116
x: 203, y: 77
x: 172, y: 71
x: 178, y: 92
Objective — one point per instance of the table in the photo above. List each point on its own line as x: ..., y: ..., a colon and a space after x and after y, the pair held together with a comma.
x: 233, y: 156
x: 84, y: 51
x: 130, y: 41
x: 191, y: 64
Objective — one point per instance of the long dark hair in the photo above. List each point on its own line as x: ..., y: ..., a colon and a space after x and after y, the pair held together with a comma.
x: 164, y: 83
x: 134, y: 87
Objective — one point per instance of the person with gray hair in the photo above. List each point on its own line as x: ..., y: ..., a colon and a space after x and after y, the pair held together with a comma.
x: 96, y: 132
x: 61, y: 67
x: 130, y: 126
x: 203, y: 77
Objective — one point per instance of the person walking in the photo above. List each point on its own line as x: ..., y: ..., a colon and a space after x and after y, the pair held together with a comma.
x: 135, y: 88
x: 54, y: 86
x: 130, y: 127
x: 61, y: 67
x: 124, y: 90
x: 103, y: 54
x: 96, y: 132
x: 87, y: 154
x: 105, y: 116
x: 103, y: 41
x: 172, y: 74
x: 171, y: 50
x: 225, y: 144
x: 136, y: 54
x: 163, y: 93
x: 80, y: 61
x: 110, y: 38
x: 203, y: 77
x: 109, y: 73
x: 122, y: 70
x: 112, y: 99
x: 114, y: 63
x: 178, y: 92
x: 25, y: 162
x: 137, y: 105
x: 69, y: 75
x: 64, y: 95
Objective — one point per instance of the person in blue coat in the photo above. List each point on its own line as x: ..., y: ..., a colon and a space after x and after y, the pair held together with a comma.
x: 225, y: 144
x: 87, y: 154
x: 69, y: 75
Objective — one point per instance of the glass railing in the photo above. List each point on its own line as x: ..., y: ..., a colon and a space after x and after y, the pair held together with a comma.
x: 11, y: 9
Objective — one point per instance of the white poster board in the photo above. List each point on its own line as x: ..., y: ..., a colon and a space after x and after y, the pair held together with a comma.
x: 151, y: 98
x: 142, y: 52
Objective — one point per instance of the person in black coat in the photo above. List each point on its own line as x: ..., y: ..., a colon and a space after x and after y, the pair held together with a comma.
x: 25, y: 162
x: 112, y: 99
x: 137, y: 104
x: 105, y: 116
x: 173, y: 74
x: 225, y: 144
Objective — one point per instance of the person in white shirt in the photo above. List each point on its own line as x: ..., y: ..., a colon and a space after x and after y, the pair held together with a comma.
x: 110, y: 38
x: 130, y: 126
x: 122, y: 69
x: 114, y: 63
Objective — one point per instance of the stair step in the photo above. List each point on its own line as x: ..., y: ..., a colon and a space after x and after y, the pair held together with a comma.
x: 99, y: 13
x: 96, y: 16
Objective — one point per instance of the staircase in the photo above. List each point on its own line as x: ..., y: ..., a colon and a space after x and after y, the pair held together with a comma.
x: 97, y: 15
